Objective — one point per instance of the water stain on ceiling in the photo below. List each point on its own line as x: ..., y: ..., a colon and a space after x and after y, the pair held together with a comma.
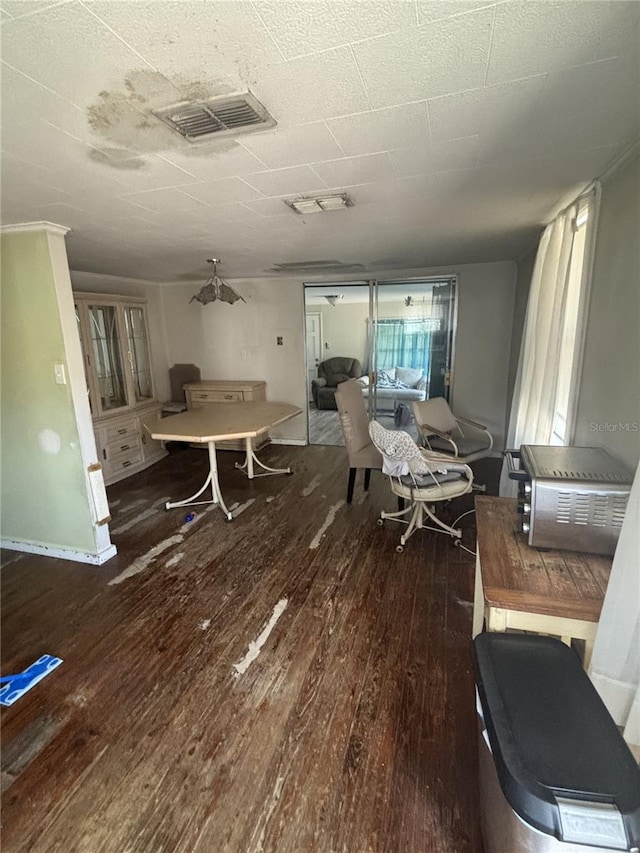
x: 123, y: 119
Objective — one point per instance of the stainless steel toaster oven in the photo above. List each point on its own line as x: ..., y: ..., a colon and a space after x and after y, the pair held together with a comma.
x: 570, y: 497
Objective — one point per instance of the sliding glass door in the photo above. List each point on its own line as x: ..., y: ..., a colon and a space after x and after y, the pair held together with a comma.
x: 398, y: 335
x: 411, y: 343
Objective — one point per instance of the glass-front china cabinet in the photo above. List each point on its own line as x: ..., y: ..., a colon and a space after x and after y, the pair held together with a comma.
x: 117, y: 359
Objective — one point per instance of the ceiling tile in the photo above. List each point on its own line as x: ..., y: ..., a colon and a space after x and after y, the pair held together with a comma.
x: 223, y: 192
x: 210, y: 163
x: 468, y: 113
x: 302, y: 28
x: 435, y: 10
x: 271, y: 207
x: 559, y: 35
x: 294, y: 146
x: 613, y: 84
x: 315, y: 87
x: 382, y: 130
x: 355, y: 170
x: 92, y: 155
x: 295, y: 181
x: 196, y: 44
x: 439, y: 157
x: 437, y: 59
x: 24, y: 100
x: 18, y: 8
x: 50, y: 47
x: 166, y: 200
x: 145, y: 172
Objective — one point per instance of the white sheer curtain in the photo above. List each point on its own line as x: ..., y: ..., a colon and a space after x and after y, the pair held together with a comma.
x: 544, y: 336
x: 615, y: 664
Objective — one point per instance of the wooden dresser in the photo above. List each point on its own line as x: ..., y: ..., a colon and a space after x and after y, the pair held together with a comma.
x: 227, y: 391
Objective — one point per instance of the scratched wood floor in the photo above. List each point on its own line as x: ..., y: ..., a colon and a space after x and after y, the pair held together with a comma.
x: 353, y: 729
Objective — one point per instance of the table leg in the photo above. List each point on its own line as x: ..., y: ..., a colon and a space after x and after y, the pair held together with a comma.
x: 251, y: 459
x: 212, y: 480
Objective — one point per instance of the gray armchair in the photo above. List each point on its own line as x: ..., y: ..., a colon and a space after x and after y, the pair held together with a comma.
x: 331, y: 373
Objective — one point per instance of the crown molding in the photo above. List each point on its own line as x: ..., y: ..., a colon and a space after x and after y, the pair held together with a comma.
x: 621, y: 161
x: 23, y: 227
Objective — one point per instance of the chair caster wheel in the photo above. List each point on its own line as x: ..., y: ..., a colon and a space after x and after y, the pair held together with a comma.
x: 457, y: 542
x: 399, y: 548
x: 380, y: 522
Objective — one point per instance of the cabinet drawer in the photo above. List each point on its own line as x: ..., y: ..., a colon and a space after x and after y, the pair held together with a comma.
x: 216, y: 396
x: 126, y: 450
x: 123, y: 430
x: 114, y: 467
x: 125, y: 446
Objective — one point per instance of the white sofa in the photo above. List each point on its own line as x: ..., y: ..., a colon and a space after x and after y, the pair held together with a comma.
x: 396, y: 385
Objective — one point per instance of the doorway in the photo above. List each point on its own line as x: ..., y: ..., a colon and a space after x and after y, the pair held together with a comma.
x: 401, y: 333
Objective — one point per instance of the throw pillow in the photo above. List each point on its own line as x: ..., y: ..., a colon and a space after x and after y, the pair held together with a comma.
x: 409, y: 375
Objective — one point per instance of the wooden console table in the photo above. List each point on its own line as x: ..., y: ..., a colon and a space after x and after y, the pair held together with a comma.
x: 524, y: 588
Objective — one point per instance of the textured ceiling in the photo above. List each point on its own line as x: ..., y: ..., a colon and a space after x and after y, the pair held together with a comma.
x: 455, y: 127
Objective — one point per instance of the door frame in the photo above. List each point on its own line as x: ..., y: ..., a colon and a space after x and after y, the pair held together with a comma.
x: 317, y: 314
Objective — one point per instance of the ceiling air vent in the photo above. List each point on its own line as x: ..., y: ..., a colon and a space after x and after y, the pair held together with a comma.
x: 225, y: 116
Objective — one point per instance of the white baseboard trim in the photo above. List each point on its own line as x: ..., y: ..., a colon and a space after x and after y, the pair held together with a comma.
x: 60, y: 553
x: 294, y: 442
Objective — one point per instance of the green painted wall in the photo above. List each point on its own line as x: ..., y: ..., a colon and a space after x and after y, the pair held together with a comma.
x: 44, y: 493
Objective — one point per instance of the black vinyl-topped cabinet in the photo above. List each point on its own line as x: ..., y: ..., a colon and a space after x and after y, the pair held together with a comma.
x: 555, y: 772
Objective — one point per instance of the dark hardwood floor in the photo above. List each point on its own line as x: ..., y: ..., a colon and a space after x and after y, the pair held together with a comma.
x: 351, y: 729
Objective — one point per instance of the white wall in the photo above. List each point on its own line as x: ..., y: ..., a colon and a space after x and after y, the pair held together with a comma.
x: 239, y: 341
x: 610, y: 384
x: 344, y: 329
x: 483, y: 341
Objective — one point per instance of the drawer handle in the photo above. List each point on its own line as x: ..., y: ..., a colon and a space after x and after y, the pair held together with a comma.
x: 122, y: 431
x: 126, y: 464
x: 124, y: 447
x: 104, y: 452
x: 228, y: 396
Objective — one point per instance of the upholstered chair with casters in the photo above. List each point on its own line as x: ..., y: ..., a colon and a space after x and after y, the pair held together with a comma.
x: 443, y: 432
x: 422, y: 478
x: 355, y: 428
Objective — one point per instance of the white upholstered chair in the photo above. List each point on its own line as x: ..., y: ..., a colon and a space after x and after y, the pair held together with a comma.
x: 452, y: 435
x: 420, y: 477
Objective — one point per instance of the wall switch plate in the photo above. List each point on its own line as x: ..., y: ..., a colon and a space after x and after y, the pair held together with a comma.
x: 58, y: 372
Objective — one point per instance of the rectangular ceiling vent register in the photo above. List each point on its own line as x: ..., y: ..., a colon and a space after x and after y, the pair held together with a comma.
x: 229, y: 115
